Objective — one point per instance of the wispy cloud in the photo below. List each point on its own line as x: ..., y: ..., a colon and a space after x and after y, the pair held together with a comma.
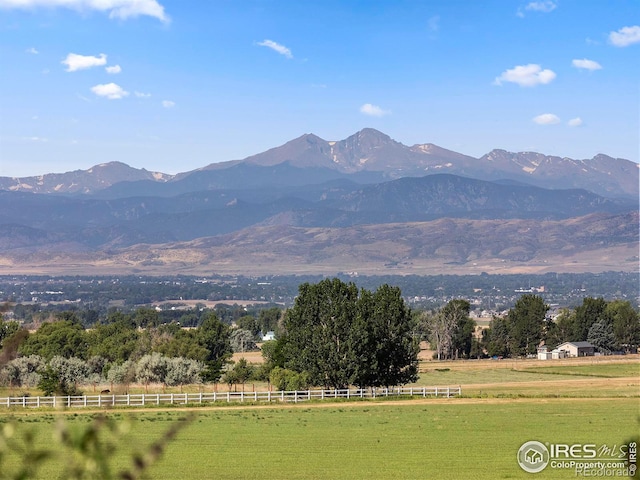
x: 546, y: 119
x: 35, y: 139
x: 75, y: 62
x: 373, y: 110
x: 526, y: 75
x: 142, y: 94
x: 113, y: 69
x: 544, y: 6
x: 625, y: 36
x: 121, y: 9
x: 575, y: 122
x: 281, y: 49
x: 32, y: 51
x: 168, y: 104
x: 586, y: 64
x: 111, y: 91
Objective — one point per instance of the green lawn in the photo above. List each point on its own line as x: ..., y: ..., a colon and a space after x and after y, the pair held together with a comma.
x: 607, y: 370
x: 452, y: 439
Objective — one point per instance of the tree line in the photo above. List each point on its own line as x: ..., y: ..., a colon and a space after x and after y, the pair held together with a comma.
x: 335, y: 335
x: 610, y: 326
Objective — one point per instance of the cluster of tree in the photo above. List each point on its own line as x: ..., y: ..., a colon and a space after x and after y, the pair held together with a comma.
x: 64, y: 376
x: 125, y: 338
x: 336, y: 336
x: 450, y: 331
x: 609, y: 326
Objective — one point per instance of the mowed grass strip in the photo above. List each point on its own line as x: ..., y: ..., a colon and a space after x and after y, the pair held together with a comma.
x: 540, y: 381
x: 610, y: 370
x: 463, y: 438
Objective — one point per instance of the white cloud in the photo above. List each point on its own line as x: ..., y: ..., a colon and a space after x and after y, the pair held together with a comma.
x: 114, y: 69
x: 526, y: 75
x: 35, y: 139
x: 121, y: 9
x: 373, y: 110
x: 142, y: 94
x: 545, y: 6
x: 32, y: 50
x: 575, y: 122
x: 76, y: 62
x: 625, y: 36
x: 546, y: 119
x: 110, y: 91
x: 586, y: 64
x: 281, y: 49
x: 168, y: 103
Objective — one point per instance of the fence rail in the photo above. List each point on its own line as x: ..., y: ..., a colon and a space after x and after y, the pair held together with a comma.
x: 151, y: 399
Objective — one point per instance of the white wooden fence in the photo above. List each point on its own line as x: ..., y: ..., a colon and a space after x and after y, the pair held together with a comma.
x: 151, y: 399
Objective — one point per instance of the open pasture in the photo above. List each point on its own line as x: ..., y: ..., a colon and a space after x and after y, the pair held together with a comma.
x: 505, y: 404
x: 459, y: 438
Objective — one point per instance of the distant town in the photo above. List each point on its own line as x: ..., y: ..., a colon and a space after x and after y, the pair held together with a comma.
x: 488, y: 295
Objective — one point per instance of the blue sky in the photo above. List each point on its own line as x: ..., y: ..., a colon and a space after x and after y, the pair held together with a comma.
x: 173, y: 85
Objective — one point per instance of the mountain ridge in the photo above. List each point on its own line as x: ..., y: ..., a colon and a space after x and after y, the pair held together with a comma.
x: 369, y: 156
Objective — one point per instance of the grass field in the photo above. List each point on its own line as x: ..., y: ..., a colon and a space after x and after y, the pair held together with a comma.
x: 474, y: 437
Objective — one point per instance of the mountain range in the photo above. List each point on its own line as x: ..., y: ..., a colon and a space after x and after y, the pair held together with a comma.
x: 367, y: 202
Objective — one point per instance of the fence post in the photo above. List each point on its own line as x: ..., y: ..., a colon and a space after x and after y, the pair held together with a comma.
x: 85, y: 400
x: 172, y: 399
x: 448, y: 395
x: 228, y: 400
x: 68, y: 401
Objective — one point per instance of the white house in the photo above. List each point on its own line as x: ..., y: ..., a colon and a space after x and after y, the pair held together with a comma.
x: 543, y: 353
x: 577, y: 349
x: 269, y: 336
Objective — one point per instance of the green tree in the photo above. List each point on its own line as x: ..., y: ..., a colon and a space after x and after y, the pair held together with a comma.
x: 183, y: 343
x: 318, y: 336
x: 526, y: 321
x: 562, y: 330
x: 239, y: 374
x: 269, y: 320
x: 601, y: 336
x: 591, y: 311
x: 497, y: 338
x: 242, y: 340
x: 63, y: 337
x: 22, y: 371
x: 383, y: 341
x: 340, y: 336
x: 183, y: 371
x: 115, y: 341
x: 214, y: 335
x: 626, y: 324
x: 146, y: 317
x: 152, y: 369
